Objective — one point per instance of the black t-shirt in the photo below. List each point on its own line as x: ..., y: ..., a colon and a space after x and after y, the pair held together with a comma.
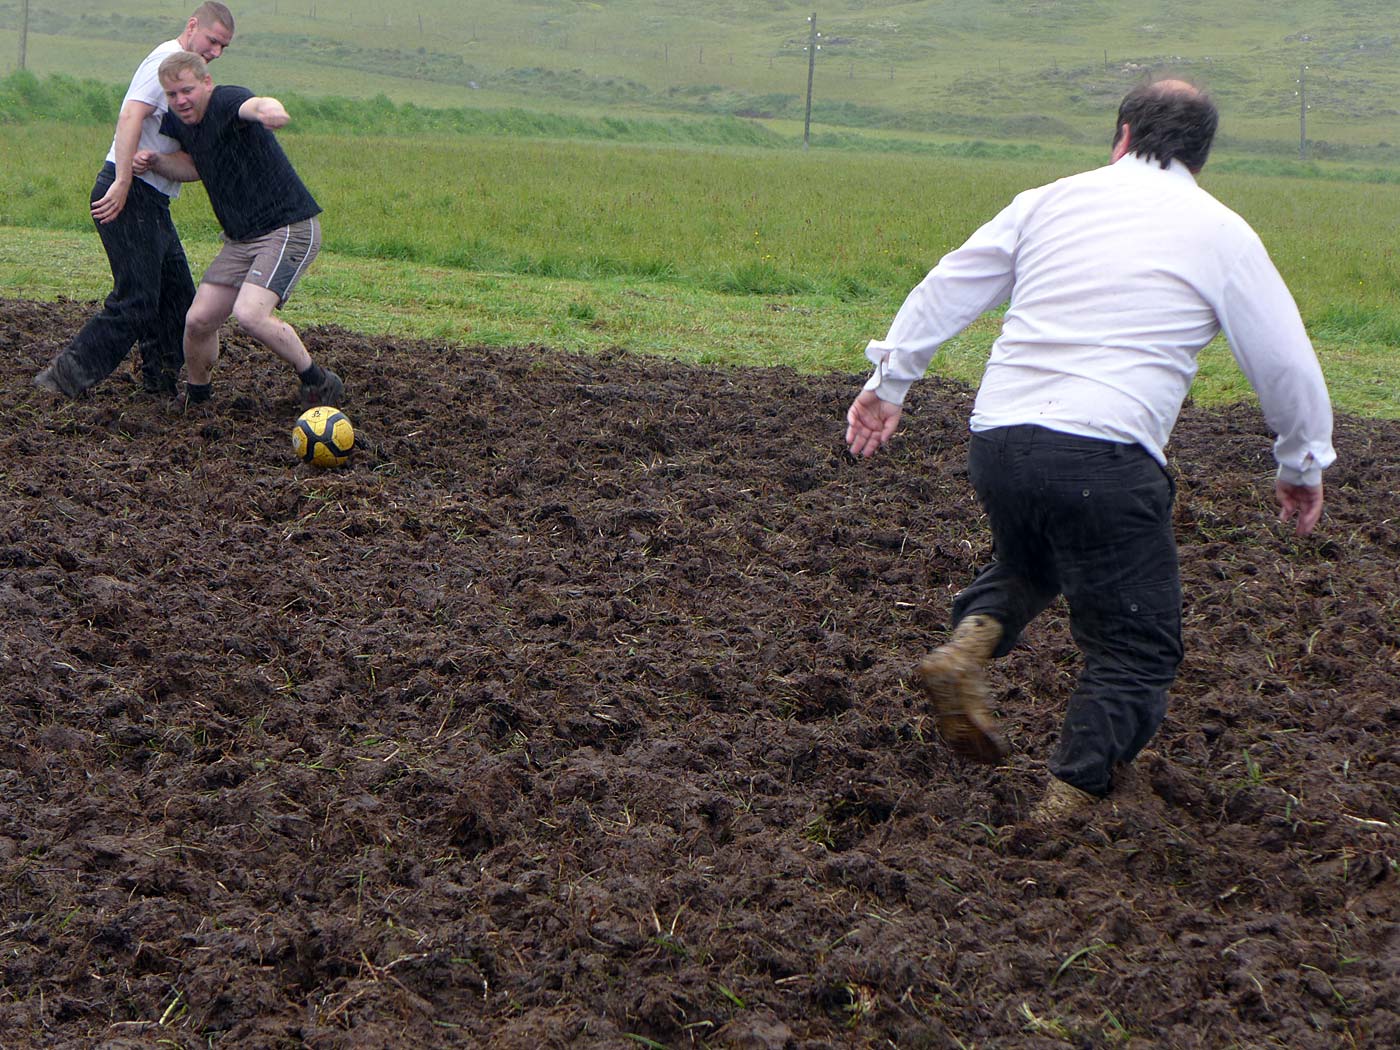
x: 252, y: 186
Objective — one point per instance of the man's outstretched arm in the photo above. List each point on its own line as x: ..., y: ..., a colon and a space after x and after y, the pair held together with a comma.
x: 1271, y: 345
x: 264, y: 110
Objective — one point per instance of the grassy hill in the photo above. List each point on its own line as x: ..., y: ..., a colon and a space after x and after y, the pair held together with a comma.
x: 1048, y: 70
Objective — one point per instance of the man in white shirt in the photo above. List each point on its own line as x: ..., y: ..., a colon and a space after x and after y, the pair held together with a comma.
x: 151, y: 285
x: 1116, y: 277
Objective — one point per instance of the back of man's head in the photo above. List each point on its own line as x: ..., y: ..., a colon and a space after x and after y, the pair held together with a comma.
x: 206, y: 14
x: 1169, y: 120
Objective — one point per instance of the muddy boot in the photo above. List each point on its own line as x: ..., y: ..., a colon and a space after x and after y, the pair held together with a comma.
x: 58, y: 379
x: 953, y: 678
x: 1133, y: 780
x: 1061, y: 800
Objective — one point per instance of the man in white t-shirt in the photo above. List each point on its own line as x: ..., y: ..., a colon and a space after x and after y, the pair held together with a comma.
x: 151, y: 285
x: 1116, y: 277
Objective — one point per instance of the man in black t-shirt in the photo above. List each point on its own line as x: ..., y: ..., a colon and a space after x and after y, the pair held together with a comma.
x: 269, y: 219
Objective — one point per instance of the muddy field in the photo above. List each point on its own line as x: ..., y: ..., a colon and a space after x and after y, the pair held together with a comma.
x: 575, y: 713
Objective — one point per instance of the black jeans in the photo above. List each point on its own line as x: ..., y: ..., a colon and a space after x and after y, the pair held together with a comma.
x: 1091, y: 520
x: 151, y: 293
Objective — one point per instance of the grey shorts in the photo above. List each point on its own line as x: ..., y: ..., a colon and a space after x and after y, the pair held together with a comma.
x: 274, y: 261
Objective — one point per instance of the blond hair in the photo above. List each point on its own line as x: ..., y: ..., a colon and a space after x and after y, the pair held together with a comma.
x: 178, y: 62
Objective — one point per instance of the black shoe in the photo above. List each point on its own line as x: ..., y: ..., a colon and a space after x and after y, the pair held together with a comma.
x: 162, y: 386
x: 182, y: 405
x: 328, y: 391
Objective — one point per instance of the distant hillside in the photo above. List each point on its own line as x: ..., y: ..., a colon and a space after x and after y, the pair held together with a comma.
x: 1048, y: 70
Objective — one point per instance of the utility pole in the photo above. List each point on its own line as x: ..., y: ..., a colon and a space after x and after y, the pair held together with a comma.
x: 1302, y: 114
x: 23, y: 32
x: 812, y: 48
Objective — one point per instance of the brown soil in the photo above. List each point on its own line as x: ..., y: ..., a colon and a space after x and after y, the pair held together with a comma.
x: 575, y: 713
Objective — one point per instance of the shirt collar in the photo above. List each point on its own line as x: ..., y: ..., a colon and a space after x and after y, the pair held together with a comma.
x: 1176, y: 169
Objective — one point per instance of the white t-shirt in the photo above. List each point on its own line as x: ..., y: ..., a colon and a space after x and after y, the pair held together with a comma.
x: 145, y: 87
x: 1117, y: 278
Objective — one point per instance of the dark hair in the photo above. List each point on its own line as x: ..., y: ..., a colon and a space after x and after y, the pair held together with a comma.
x: 1168, y: 121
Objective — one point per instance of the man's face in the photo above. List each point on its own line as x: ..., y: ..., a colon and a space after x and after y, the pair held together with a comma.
x: 188, y: 96
x: 208, y: 42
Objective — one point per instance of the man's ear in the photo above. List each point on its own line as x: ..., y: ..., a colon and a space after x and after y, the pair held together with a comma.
x: 1121, y: 143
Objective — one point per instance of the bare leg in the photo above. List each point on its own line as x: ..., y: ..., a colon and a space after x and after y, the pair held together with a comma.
x: 253, y: 312
x: 211, y: 307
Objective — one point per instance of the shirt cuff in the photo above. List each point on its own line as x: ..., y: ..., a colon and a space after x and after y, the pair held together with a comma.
x: 885, y: 386
x: 892, y: 390
x: 1309, y: 477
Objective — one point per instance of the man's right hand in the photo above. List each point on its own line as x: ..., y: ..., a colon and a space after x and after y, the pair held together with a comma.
x: 108, y: 206
x: 870, y: 422
x: 1301, y: 501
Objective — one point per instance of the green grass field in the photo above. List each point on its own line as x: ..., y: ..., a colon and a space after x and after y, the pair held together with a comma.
x: 708, y: 254
x: 728, y: 220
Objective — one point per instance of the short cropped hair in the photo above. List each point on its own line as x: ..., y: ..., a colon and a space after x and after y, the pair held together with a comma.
x: 1169, y: 121
x: 213, y: 11
x: 178, y: 62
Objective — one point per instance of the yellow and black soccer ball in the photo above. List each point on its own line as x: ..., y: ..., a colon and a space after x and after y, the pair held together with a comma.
x: 323, y: 437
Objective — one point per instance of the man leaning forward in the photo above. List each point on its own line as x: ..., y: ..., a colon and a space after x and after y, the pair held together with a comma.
x: 1116, y: 279
x: 271, y: 224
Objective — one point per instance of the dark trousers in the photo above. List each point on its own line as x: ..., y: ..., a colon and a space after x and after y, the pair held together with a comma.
x: 1091, y: 520
x: 151, y: 293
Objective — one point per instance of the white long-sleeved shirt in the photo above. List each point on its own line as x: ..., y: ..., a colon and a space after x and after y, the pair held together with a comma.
x: 1117, y: 278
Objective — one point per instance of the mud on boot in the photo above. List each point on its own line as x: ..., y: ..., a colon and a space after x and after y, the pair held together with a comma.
x: 1061, y: 800
x: 56, y: 380
x: 955, y: 681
